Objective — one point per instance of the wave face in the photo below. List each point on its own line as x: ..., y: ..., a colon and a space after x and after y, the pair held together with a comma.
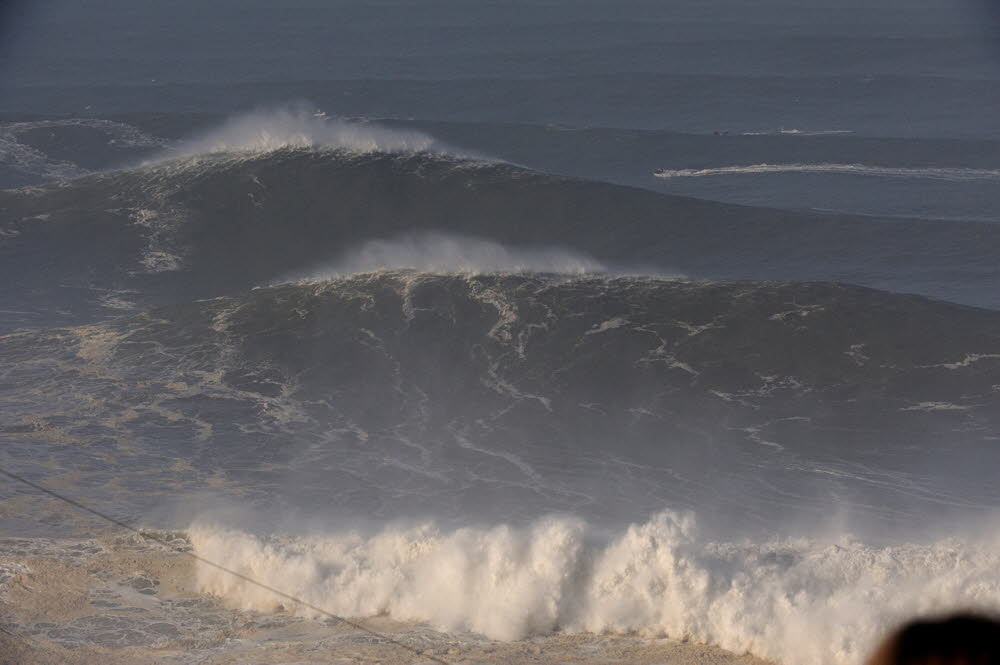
x: 503, y: 397
x: 213, y: 224
x: 795, y: 601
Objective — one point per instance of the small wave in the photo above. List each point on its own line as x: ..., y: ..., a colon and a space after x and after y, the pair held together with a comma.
x: 299, y: 126
x: 929, y: 173
x: 794, y: 601
x: 443, y: 253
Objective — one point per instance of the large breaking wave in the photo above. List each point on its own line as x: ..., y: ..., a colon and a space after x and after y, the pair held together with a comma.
x: 793, y: 601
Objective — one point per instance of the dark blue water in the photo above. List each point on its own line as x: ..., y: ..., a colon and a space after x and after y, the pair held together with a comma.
x: 915, y: 70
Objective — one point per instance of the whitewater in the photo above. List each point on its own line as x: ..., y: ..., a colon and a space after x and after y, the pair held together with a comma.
x: 791, y: 601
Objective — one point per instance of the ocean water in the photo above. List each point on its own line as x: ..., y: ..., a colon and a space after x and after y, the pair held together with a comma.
x: 556, y: 331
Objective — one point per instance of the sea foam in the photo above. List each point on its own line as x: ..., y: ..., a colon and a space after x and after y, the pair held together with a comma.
x: 797, y: 602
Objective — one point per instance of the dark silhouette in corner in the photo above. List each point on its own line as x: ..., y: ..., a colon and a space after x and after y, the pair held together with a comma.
x: 960, y: 639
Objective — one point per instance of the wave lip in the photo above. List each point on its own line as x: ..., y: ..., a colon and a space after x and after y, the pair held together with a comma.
x: 299, y: 126
x: 447, y: 254
x: 929, y: 173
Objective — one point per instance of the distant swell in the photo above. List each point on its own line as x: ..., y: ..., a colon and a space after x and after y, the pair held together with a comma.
x: 936, y: 173
x: 796, y: 602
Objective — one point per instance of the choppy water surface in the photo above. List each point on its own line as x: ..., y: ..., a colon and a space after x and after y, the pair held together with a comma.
x: 538, y: 335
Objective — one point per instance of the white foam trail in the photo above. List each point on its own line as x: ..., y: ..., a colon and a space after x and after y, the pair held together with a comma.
x: 930, y: 173
x: 32, y: 161
x: 302, y: 127
x: 799, y: 132
x: 442, y: 253
x: 800, y: 602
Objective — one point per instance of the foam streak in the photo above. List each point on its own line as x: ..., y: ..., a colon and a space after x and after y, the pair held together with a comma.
x: 935, y: 173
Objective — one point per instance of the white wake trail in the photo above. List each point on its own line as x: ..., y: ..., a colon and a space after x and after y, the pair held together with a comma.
x: 928, y: 173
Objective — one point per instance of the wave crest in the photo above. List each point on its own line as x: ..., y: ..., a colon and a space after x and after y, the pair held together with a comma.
x: 443, y: 253
x: 299, y: 126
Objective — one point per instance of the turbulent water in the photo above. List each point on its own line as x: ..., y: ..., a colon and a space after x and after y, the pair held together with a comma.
x: 359, y: 330
x: 792, y: 601
x: 503, y: 388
